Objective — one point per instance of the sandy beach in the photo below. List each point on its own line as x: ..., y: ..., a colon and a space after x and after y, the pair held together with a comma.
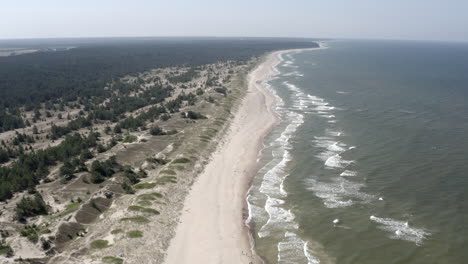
x: 211, y: 228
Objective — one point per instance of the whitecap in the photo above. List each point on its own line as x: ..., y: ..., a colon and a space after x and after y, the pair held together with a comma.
x: 336, y: 161
x: 401, y: 230
x: 336, y: 147
x: 338, y: 192
x: 348, y: 173
x: 332, y: 133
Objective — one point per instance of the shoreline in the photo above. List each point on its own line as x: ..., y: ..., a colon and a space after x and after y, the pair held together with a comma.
x: 212, y: 220
x: 215, y: 216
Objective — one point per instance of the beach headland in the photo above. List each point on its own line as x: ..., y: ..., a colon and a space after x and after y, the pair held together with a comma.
x: 212, y: 226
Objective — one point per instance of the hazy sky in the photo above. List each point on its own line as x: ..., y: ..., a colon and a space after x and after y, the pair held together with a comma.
x: 395, y: 19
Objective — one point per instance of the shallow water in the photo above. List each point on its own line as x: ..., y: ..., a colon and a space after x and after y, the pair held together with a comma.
x: 374, y: 135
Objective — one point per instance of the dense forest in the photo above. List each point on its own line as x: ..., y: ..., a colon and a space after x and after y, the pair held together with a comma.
x: 30, y: 79
x: 48, y: 79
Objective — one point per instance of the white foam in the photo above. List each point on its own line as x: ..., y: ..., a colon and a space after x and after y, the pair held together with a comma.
x: 308, y: 253
x: 401, y: 230
x: 323, y: 142
x: 328, y: 116
x: 250, y: 208
x: 336, y: 147
x: 292, y: 249
x: 273, y: 180
x: 336, y: 161
x: 324, y: 108
x: 294, y: 73
x: 315, y: 98
x: 338, y: 192
x: 332, y: 133
x: 348, y: 173
x: 279, y: 218
x: 341, y: 92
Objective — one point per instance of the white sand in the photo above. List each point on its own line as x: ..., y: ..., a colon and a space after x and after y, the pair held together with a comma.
x: 212, y: 228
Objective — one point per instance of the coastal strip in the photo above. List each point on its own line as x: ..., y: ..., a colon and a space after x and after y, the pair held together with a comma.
x: 211, y: 228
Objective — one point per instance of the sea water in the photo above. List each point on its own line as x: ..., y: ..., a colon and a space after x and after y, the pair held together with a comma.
x: 370, y: 161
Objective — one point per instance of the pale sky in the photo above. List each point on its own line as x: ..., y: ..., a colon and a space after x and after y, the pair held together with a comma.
x: 376, y: 19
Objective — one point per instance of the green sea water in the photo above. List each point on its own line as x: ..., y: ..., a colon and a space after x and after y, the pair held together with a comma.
x: 370, y: 161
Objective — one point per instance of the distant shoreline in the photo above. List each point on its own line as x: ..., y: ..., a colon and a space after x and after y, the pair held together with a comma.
x: 271, y: 61
x: 213, y: 219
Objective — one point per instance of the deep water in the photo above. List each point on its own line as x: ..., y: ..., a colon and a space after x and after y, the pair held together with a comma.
x: 374, y: 136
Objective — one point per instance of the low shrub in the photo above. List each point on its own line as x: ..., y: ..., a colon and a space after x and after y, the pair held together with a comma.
x: 136, y: 219
x: 134, y: 234
x: 99, y: 244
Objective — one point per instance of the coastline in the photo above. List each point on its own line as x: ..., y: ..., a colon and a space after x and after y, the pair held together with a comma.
x: 213, y: 218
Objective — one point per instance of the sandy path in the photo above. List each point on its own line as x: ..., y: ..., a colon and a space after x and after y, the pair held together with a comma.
x: 212, y: 227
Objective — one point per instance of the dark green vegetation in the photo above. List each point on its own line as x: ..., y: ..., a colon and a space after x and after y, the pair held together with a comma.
x: 134, y: 234
x: 143, y: 209
x: 29, y: 169
x: 30, y: 206
x: 112, y: 260
x: 150, y: 196
x: 5, y: 249
x: 117, y: 231
x: 99, y: 244
x: 181, y: 160
x: 136, y: 219
x: 31, y: 232
x: 146, y: 185
x: 169, y: 172
x: 83, y: 78
x: 82, y: 73
x: 166, y: 179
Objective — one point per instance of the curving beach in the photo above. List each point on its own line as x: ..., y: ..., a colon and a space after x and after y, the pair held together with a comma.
x: 211, y: 228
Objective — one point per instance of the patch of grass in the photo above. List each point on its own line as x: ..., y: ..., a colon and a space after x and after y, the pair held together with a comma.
x: 169, y: 172
x: 158, y: 161
x: 136, y: 219
x: 137, y: 208
x: 166, y: 179
x: 134, y: 234
x: 177, y: 167
x: 205, y: 137
x: 69, y: 209
x: 149, y: 196
x: 72, y: 206
x: 99, y: 244
x: 117, y: 231
x: 5, y: 249
x: 145, y: 203
x: 31, y: 232
x: 146, y: 185
x: 112, y: 260
x: 129, y: 139
x: 180, y: 160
